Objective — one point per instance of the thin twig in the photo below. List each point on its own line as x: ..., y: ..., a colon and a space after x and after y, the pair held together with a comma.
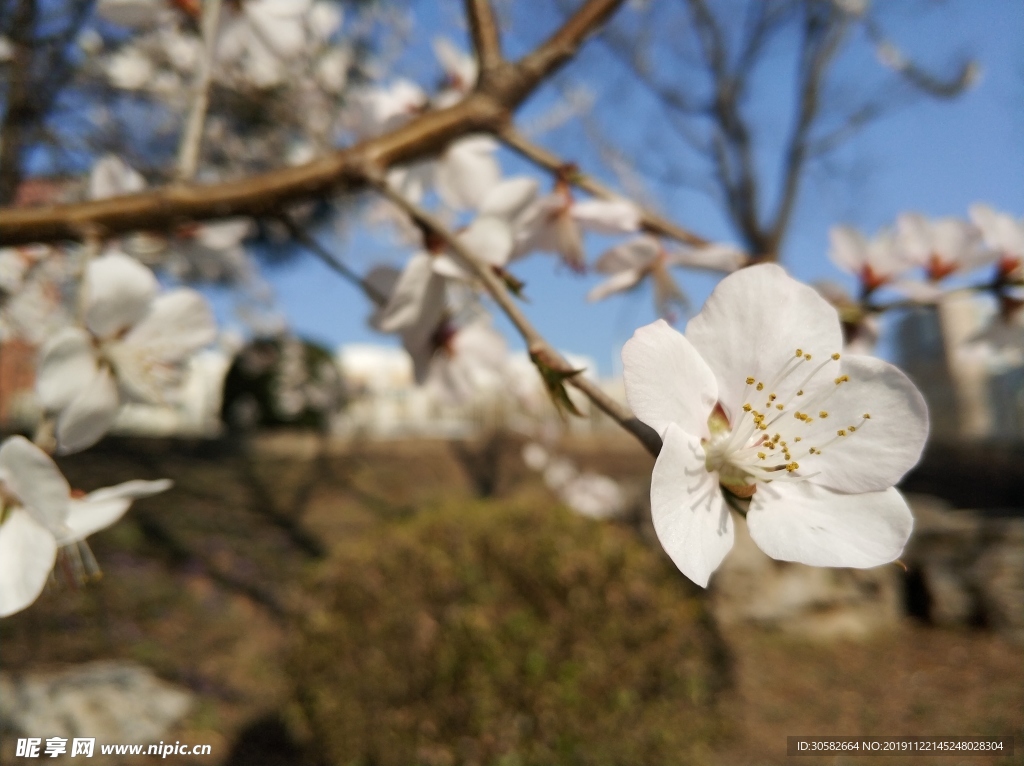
x: 539, y: 348
x: 305, y: 239
x: 652, y: 222
x: 192, y: 136
x: 483, y: 30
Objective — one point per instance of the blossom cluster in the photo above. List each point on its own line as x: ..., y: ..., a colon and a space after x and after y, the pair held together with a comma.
x: 764, y: 408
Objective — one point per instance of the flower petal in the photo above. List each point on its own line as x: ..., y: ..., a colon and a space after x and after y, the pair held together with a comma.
x: 813, y: 525
x: 716, y: 256
x: 667, y: 381
x: 489, y: 239
x: 690, y: 516
x: 877, y: 452
x: 101, y: 508
x: 27, y: 555
x: 620, y: 282
x: 752, y: 325
x: 118, y: 291
x: 67, y: 364
x: 35, y: 480
x: 84, y: 422
x: 607, y: 216
x: 510, y: 198
x: 178, y: 324
x: 634, y: 254
x: 467, y: 171
x: 418, y: 297
x: 849, y: 250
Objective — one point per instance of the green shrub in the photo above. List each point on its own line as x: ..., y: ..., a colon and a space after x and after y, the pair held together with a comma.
x: 492, y: 635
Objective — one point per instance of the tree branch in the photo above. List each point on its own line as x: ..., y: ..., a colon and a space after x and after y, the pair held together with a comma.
x: 537, y: 345
x: 487, y: 109
x: 651, y: 222
x: 192, y: 136
x: 483, y: 31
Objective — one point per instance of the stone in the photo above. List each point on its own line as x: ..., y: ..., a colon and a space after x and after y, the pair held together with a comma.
x: 966, y: 567
x: 115, y: 702
x: 815, y: 602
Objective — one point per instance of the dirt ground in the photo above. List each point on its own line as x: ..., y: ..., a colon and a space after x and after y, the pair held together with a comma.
x: 196, y: 582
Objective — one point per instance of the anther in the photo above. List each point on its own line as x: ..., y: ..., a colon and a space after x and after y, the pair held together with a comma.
x: 798, y: 438
x: 779, y: 407
x: 807, y: 357
x: 760, y: 386
x: 761, y: 456
x: 746, y: 408
x: 842, y: 379
x: 841, y: 432
x: 835, y: 357
x: 852, y: 429
x: 867, y: 416
x: 750, y: 381
x: 799, y: 353
x: 823, y: 414
x: 772, y: 397
x: 792, y: 467
x: 800, y: 392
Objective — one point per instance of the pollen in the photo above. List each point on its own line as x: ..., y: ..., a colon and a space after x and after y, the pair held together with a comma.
x: 746, y: 408
x: 835, y: 357
x: 750, y: 381
x: 823, y: 414
x: 792, y: 467
x: 841, y: 432
x: 760, y: 386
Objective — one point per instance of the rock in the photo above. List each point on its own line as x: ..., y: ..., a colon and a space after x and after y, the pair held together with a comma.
x: 967, y: 567
x: 115, y: 702
x: 816, y: 602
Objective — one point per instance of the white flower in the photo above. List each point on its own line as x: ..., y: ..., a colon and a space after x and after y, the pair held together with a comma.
x: 631, y: 262
x: 381, y: 109
x: 755, y: 402
x: 942, y: 246
x: 535, y: 456
x: 1005, y: 235
x: 491, y: 235
x: 467, y: 171
x: 554, y: 224
x: 130, y: 69
x: 460, y: 71
x: 594, y: 496
x: 39, y: 515
x: 113, y: 177
x: 876, y: 262
x: 134, y: 347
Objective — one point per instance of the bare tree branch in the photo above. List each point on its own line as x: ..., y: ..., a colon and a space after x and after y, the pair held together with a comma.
x: 192, y: 137
x: 537, y: 345
x: 487, y: 109
x: 484, y: 32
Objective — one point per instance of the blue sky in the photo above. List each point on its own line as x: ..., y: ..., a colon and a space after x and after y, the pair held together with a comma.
x: 936, y: 157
